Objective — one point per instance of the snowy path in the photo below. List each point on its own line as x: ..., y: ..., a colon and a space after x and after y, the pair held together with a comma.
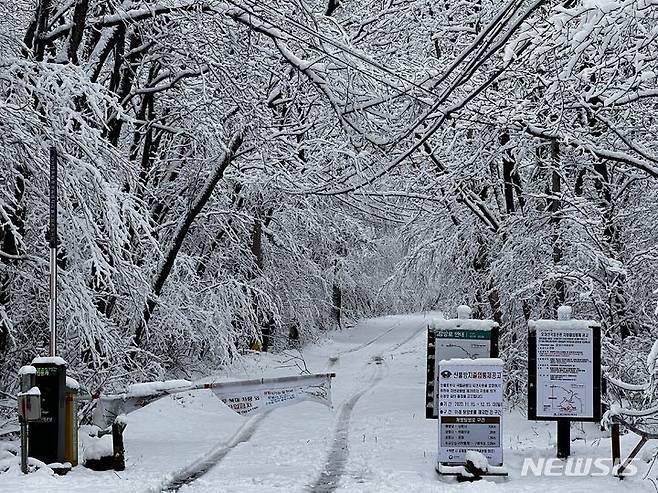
x: 339, y: 453
x: 375, y: 440
x: 200, y: 467
x: 318, y: 441
x: 337, y: 458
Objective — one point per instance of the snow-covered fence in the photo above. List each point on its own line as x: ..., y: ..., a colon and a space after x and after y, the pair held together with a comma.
x: 633, y: 406
x: 641, y: 422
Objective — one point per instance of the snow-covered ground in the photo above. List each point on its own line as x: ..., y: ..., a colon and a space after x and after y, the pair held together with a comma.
x: 376, y: 439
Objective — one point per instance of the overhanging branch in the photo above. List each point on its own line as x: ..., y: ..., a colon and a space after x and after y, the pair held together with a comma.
x: 617, y: 156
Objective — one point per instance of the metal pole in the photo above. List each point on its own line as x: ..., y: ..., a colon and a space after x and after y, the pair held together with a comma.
x: 53, y: 302
x: 563, y: 438
x: 616, y: 445
x: 52, y: 243
x: 24, y: 445
x: 631, y: 456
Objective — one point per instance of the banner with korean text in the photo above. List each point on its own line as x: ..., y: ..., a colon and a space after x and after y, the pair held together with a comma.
x: 253, y: 396
x: 245, y: 397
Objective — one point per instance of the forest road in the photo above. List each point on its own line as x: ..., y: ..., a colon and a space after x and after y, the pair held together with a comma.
x: 336, y: 460
x: 302, y: 447
x: 337, y: 457
x: 202, y: 465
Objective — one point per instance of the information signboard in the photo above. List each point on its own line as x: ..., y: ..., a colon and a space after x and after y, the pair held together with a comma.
x: 456, y: 338
x: 564, y: 370
x: 471, y: 410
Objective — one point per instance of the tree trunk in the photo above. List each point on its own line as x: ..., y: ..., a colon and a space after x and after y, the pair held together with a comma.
x: 75, y: 35
x: 508, y: 169
x: 332, y: 5
x: 555, y: 207
x: 336, y: 300
x: 180, y: 234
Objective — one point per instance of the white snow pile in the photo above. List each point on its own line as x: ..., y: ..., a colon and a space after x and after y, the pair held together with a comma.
x: 49, y: 360
x: 463, y: 324
x: 472, y: 362
x: 92, y: 446
x: 10, y: 462
x: 27, y: 370
x: 151, y: 388
x: 562, y: 324
x: 32, y: 391
x: 564, y: 312
x: 121, y: 419
x: 72, y: 384
x: 8, y: 452
x: 464, y: 311
x: 478, y: 459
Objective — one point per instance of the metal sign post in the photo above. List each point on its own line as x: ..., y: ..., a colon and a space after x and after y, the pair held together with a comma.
x: 52, y: 243
x: 46, y: 439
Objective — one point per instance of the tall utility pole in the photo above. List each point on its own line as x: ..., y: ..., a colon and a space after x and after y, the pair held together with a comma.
x: 52, y: 244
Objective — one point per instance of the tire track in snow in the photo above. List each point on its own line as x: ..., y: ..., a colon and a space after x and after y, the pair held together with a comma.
x: 334, y: 359
x: 202, y: 465
x: 334, y: 466
x: 408, y: 339
x: 371, y: 341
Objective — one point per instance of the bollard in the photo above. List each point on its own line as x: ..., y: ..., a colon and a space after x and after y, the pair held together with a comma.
x: 118, y: 450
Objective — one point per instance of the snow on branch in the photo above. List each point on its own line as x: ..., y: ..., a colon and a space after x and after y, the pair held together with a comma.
x: 124, y: 18
x: 618, y: 156
x: 181, y: 232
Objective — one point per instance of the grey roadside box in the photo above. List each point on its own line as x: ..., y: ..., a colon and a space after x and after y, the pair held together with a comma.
x: 29, y: 405
x: 29, y: 408
x: 47, y: 434
x: 29, y: 400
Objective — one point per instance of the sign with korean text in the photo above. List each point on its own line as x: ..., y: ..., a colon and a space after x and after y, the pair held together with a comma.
x: 470, y: 409
x: 251, y: 398
x: 52, y: 227
x: 564, y: 370
x: 456, y: 338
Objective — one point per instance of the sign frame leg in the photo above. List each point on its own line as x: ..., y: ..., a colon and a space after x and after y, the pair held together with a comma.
x: 563, y: 438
